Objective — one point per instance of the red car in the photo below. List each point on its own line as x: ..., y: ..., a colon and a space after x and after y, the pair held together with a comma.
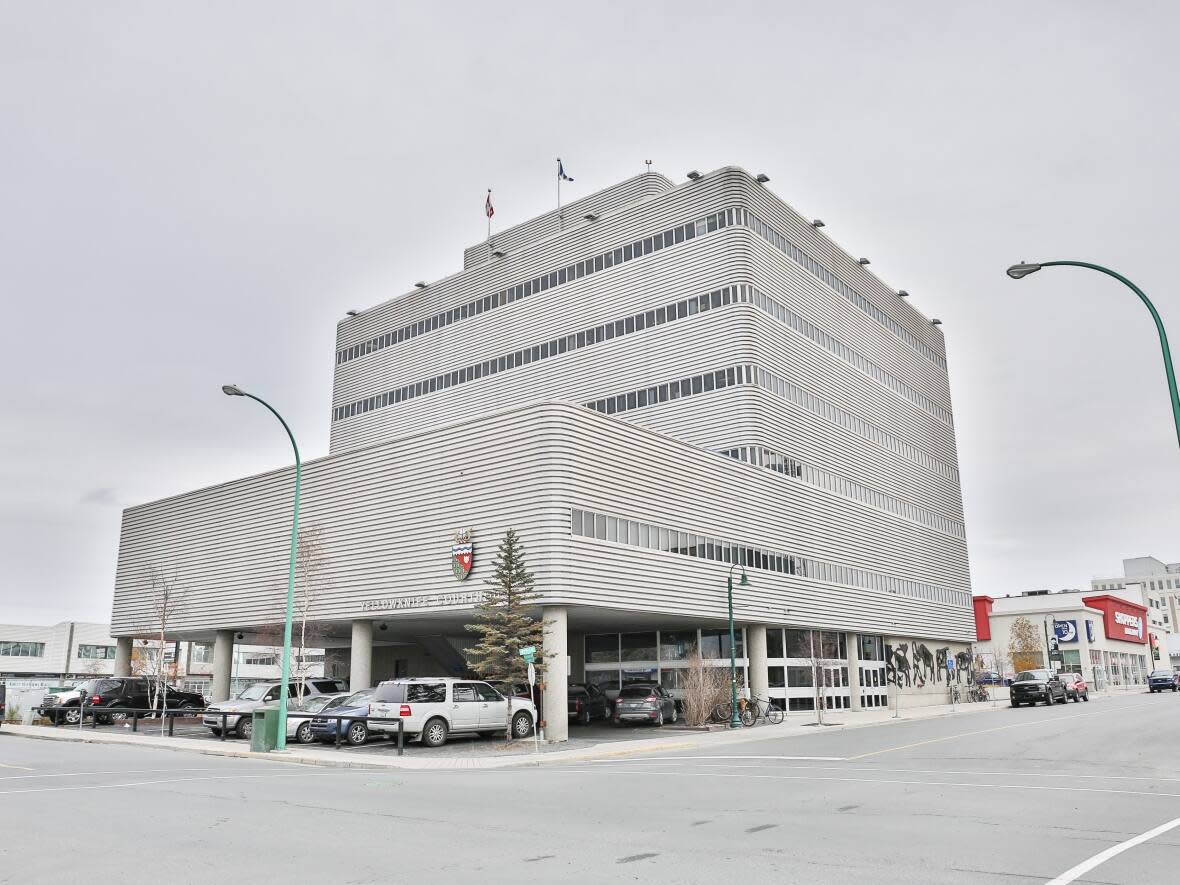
x: 1075, y: 687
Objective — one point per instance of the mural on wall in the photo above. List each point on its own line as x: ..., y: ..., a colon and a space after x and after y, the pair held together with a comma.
x: 913, y: 665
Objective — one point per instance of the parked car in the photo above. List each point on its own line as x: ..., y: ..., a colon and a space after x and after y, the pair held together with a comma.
x: 299, y: 727
x: 258, y: 695
x: 355, y: 704
x: 516, y: 689
x: 988, y: 677
x: 1076, y: 688
x: 1163, y: 680
x: 431, y: 709
x: 120, y: 692
x: 1031, y: 686
x: 587, y: 702
x: 644, y: 702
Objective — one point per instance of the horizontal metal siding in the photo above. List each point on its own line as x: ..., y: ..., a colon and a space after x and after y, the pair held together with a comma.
x: 387, y: 513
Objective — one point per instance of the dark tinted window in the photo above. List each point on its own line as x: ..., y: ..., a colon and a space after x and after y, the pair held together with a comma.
x: 487, y: 693
x: 329, y: 686
x: 426, y: 692
x: 463, y: 692
x: 636, y: 691
x: 106, y: 686
x: 1033, y: 676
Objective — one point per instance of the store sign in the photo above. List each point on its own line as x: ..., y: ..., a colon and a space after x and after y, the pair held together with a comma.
x: 461, y: 555
x: 1122, y: 620
x: 422, y: 600
x: 1067, y: 631
x: 1089, y: 630
x: 1132, y: 624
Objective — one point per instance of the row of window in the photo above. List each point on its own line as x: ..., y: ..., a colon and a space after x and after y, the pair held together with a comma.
x: 843, y: 351
x: 22, y: 649
x: 97, y: 652
x: 672, y: 390
x: 745, y: 374
x: 829, y: 645
x: 772, y: 460
x: 602, y: 527
x: 575, y: 271
x: 834, y: 414
x: 833, y: 282
x: 664, y: 645
x: 629, y: 325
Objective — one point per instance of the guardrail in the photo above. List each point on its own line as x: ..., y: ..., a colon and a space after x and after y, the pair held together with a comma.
x: 57, y: 716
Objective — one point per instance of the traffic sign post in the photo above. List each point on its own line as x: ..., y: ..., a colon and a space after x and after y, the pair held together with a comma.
x: 528, y: 654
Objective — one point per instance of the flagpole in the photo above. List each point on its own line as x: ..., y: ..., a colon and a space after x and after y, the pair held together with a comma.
x: 560, y: 217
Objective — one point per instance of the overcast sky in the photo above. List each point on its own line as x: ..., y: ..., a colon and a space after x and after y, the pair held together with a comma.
x: 193, y: 194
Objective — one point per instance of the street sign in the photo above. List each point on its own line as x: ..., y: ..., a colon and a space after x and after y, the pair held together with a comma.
x: 529, y: 653
x: 532, y: 674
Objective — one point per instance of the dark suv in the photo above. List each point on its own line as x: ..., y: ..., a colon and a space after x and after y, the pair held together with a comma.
x: 586, y: 702
x: 1163, y: 680
x: 1032, y: 686
x: 120, y: 692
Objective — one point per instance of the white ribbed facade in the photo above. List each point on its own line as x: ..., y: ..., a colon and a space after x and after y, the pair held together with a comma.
x: 739, y: 381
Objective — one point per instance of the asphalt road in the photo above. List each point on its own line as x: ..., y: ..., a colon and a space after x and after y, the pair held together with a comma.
x: 1006, y: 796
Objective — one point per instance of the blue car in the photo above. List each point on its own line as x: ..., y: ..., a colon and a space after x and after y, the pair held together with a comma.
x: 352, y: 731
x: 1163, y: 680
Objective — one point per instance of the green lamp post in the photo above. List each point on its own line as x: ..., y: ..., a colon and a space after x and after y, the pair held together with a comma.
x: 1019, y: 271
x: 735, y: 719
x: 281, y: 739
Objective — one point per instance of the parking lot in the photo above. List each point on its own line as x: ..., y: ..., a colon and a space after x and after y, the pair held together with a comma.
x: 597, y: 732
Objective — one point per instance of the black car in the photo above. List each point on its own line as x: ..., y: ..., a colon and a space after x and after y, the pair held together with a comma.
x: 587, y: 702
x: 121, y: 692
x: 644, y: 702
x: 1032, y: 686
x: 1163, y: 680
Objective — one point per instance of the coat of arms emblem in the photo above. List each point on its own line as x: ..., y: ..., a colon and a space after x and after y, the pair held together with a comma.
x: 461, y: 554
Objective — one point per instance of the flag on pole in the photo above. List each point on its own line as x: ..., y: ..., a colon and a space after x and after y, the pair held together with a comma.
x: 561, y: 176
x: 487, y: 206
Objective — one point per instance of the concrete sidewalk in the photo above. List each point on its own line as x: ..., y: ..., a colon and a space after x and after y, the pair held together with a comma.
x: 796, y: 725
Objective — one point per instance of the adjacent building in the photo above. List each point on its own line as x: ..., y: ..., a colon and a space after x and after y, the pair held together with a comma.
x: 657, y: 386
x: 1153, y: 583
x: 1102, y: 636
x: 40, y: 656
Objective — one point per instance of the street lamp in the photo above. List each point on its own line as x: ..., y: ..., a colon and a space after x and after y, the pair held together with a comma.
x: 281, y: 740
x: 1019, y: 271
x: 735, y: 719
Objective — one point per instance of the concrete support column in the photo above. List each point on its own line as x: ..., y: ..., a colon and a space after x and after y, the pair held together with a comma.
x: 223, y: 662
x: 361, y: 670
x: 759, y: 678
x: 854, y: 671
x: 556, y: 698
x: 123, y: 656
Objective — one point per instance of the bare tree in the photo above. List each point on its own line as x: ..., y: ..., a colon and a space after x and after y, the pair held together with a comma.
x: 705, y: 688
x: 167, y: 599
x: 310, y: 566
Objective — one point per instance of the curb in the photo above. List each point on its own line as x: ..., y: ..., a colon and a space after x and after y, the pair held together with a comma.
x: 602, y: 751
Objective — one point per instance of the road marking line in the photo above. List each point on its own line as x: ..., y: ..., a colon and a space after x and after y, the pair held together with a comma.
x: 16, y: 777
x: 1102, y: 857
x: 952, y: 737
x: 1096, y: 777
x: 630, y: 771
x: 19, y: 767
x: 776, y: 758
x: 175, y: 780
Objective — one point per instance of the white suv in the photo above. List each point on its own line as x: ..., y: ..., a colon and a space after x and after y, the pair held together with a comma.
x: 433, y: 708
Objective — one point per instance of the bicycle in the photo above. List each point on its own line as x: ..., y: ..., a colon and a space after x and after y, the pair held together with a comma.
x: 756, y: 709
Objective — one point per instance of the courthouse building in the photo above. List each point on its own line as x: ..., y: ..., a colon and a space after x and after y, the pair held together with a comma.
x: 652, y: 385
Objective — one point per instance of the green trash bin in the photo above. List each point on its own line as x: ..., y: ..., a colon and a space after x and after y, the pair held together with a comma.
x: 264, y: 735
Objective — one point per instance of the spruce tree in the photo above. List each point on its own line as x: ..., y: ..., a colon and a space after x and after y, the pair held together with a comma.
x: 503, y: 621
